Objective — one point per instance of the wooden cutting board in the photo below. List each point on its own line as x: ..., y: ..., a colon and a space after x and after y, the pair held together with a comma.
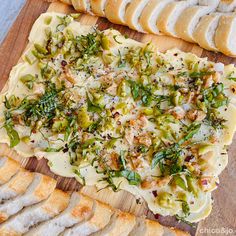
x: 223, y: 215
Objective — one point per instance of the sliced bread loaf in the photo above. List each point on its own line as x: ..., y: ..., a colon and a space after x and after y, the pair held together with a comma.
x: 204, y: 34
x: 40, y: 188
x: 225, y: 35
x: 115, y: 11
x: 98, y: 7
x: 8, y: 168
x: 188, y: 21
x: 17, y: 185
x: 78, y: 210
x: 99, y: 219
x: 170, y: 14
x: 121, y: 224
x: 33, y: 215
x: 150, y: 14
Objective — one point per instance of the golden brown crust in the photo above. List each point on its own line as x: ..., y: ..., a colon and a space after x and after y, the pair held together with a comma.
x: 79, y: 5
x: 21, y: 181
x: 45, y: 188
x: 146, y: 14
x: 153, y: 228
x: 84, y: 208
x: 200, y: 34
x: 130, y: 12
x: 97, y: 7
x: 162, y: 20
x: 222, y: 35
x: 9, y: 168
x: 67, y: 2
x: 57, y: 202
x: 112, y: 11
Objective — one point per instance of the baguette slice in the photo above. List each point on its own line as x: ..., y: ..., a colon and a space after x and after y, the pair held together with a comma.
x: 121, y: 224
x: 226, y: 6
x: 17, y: 185
x: 209, y: 3
x: 188, y: 21
x: 40, y: 188
x: 145, y: 227
x: 67, y: 2
x: 174, y: 232
x: 100, y: 218
x: 80, y: 5
x: 204, y: 34
x: 133, y: 12
x: 98, y: 7
x: 8, y: 168
x: 115, y: 11
x: 226, y: 34
x: 170, y: 14
x: 150, y: 15
x: 33, y: 215
x: 78, y: 210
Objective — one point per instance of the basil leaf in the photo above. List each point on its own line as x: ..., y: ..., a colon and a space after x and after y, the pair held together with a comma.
x: 92, y: 107
x: 158, y: 157
x: 133, y: 177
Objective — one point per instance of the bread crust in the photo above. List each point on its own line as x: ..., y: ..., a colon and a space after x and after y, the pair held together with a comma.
x: 9, y: 168
x: 162, y: 21
x: 45, y: 187
x: 98, y: 7
x: 21, y: 181
x: 147, y: 14
x: 182, y: 26
x: 57, y: 202
x: 68, y: 2
x: 131, y: 12
x: 223, y: 34
x: 79, y: 5
x: 200, y: 34
x: 112, y: 11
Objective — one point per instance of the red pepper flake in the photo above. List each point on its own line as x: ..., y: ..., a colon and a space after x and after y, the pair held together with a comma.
x: 63, y: 63
x: 204, y: 182
x: 154, y: 193
x: 156, y: 216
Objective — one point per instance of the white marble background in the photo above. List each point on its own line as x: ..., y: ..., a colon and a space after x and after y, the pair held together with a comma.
x: 9, y: 10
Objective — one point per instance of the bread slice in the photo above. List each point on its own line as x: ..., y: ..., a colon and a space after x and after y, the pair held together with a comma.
x: 81, y: 5
x: 209, y: 3
x: 170, y: 14
x: 204, y: 34
x: 188, y: 21
x: 133, y: 13
x: 98, y: 7
x: 67, y: 2
x: 145, y: 227
x: 99, y: 219
x: 121, y: 224
x: 115, y: 11
x: 40, y: 188
x: 174, y: 232
x: 150, y: 14
x: 45, y: 210
x: 8, y: 168
x: 226, y: 34
x: 17, y: 185
x: 226, y: 6
x: 78, y: 210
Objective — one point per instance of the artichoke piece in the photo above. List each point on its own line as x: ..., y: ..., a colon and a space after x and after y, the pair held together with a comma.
x: 164, y: 200
x: 60, y: 125
x: 83, y: 118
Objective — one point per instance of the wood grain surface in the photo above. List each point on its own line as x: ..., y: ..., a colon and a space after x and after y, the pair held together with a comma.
x: 223, y: 216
